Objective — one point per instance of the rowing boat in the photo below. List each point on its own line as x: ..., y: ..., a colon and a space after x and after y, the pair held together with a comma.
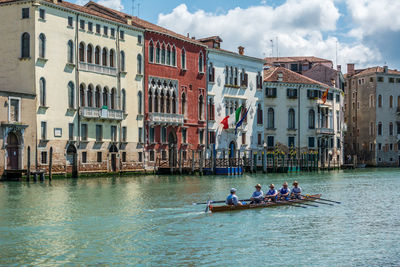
x: 264, y: 205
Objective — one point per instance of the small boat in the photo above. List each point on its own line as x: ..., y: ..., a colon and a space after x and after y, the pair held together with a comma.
x: 263, y: 205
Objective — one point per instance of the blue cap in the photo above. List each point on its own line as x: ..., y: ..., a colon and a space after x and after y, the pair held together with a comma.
x: 233, y: 190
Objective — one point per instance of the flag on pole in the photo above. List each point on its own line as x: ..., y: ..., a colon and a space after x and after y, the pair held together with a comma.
x: 241, y: 121
x: 325, y: 95
x: 232, y: 119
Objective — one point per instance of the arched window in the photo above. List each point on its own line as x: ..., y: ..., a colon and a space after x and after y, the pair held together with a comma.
x: 151, y: 52
x: 201, y: 63
x: 25, y: 45
x: 183, y: 104
x: 311, y: 119
x: 122, y: 61
x: 271, y: 118
x: 391, y: 128
x: 201, y: 103
x: 162, y: 102
x: 211, y: 111
x: 380, y: 101
x: 291, y: 119
x: 90, y: 96
x: 231, y: 76
x: 226, y: 75
x: 81, y: 52
x: 380, y: 128
x: 70, y: 52
x: 112, y: 98
x: 183, y: 59
x: 173, y: 57
x: 168, y: 103
x: 112, y: 58
x: 97, y: 55
x: 391, y: 101
x: 82, y: 95
x: 158, y: 52
x: 123, y: 94
x: 259, y: 114
x: 42, y: 46
x: 156, y: 101
x: 168, y: 55
x: 42, y: 85
x: 139, y: 64
x: 173, y: 103
x: 105, y: 96
x: 105, y: 55
x: 236, y: 76
x: 97, y: 97
x: 150, y: 102
x: 211, y: 73
x: 163, y: 54
x: 140, y: 102
x: 71, y: 95
x: 89, y: 53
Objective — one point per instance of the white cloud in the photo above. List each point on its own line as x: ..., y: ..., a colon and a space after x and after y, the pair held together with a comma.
x: 303, y: 27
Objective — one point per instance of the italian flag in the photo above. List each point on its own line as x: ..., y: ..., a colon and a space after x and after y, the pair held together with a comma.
x: 232, y: 119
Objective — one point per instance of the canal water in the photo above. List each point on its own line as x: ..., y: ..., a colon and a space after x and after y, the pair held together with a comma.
x: 150, y: 221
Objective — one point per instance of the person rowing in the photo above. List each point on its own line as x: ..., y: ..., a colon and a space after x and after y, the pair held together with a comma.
x: 296, y: 191
x: 271, y: 194
x: 232, y: 199
x: 258, y: 195
x: 284, y: 192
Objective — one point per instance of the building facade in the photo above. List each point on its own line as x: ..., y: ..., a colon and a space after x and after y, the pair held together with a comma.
x: 295, y: 118
x: 234, y: 80
x: 372, y: 110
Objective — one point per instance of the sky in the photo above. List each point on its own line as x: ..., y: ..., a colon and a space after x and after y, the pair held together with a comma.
x: 364, y: 32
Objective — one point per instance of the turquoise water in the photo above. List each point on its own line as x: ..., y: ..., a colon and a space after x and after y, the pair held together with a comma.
x: 150, y: 221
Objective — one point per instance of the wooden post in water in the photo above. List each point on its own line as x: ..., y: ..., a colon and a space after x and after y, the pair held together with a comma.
x: 255, y: 161
x: 251, y: 163
x: 192, y: 161
x: 28, y: 171
x: 264, y: 160
x: 201, y: 155
x: 180, y: 161
x: 51, y: 164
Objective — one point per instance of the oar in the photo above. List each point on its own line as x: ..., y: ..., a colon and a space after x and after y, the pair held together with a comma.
x: 208, y: 205
x: 293, y: 204
x: 320, y: 202
x: 324, y: 199
x: 302, y: 203
x: 218, y: 201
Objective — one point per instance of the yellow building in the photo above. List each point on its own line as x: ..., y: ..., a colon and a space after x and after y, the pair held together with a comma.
x: 85, y: 69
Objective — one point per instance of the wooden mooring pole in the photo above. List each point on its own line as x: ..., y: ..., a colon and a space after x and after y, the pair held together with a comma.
x: 28, y: 172
x: 51, y: 164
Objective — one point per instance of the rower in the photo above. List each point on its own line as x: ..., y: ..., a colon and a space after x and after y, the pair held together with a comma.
x: 284, y: 192
x: 296, y: 190
x: 232, y: 199
x: 271, y: 194
x: 257, y: 196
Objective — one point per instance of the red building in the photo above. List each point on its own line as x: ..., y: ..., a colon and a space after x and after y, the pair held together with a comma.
x: 175, y: 93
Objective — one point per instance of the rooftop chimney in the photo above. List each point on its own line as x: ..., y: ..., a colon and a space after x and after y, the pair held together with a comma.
x: 241, y: 50
x: 339, y: 68
x: 350, y: 69
x: 193, y: 37
x: 188, y: 35
x: 385, y: 69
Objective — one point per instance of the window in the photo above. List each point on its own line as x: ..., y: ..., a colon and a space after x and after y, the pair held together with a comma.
x: 158, y: 52
x: 140, y: 135
x: 151, y: 157
x: 151, y: 135
x: 139, y: 39
x: 44, y: 157
x: 380, y: 101
x: 82, y: 24
x: 140, y: 155
x: 42, y: 46
x: 99, y: 157
x: 123, y: 157
x: 270, y: 92
x: 42, y: 13
x: 173, y: 103
x: 112, y: 32
x: 168, y: 55
x: 391, y: 80
x: 291, y: 141
x: 380, y: 79
x: 379, y: 146
x: 211, y: 73
x: 380, y: 128
x: 391, y: 128
x: 13, y: 110
x: 183, y: 59
x: 201, y: 137
x: 70, y: 56
x: 173, y: 56
x: 113, y: 133
x: 311, y: 142
x: 90, y: 96
x: 82, y: 52
x: 122, y: 35
x: 89, y: 53
x: 183, y: 104
x: 84, y: 157
x: 139, y: 62
x: 43, y: 130
x: 201, y: 104
x: 25, y: 13
x: 338, y: 145
x: 294, y: 67
x: 99, y: 133
x: 184, y: 135
x: 71, y: 131
x: 311, y: 119
x: 163, y: 134
x: 122, y: 61
x: 270, y: 141
x: 291, y: 119
x: 271, y: 118
x: 212, y: 137
x: 163, y: 51
x: 98, y: 28
x: 337, y: 98
x: 105, y: 30
x: 211, y: 110
x: 42, y: 86
x: 259, y: 139
x: 90, y: 26
x: 140, y: 103
x: 84, y: 132
x: 243, y: 78
x: 97, y: 55
x: 259, y: 80
x: 391, y: 101
x: 201, y: 63
x: 151, y: 52
x: 104, y: 57
x: 70, y: 21
x: 112, y: 99
x: 259, y: 114
x: 71, y: 95
x: 25, y: 45
x: 112, y: 58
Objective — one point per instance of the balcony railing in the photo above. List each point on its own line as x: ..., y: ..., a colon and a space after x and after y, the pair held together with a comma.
x: 97, y: 68
x: 166, y: 118
x: 325, y: 131
x: 98, y: 113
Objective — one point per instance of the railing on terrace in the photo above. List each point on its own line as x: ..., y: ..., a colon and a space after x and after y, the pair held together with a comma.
x: 97, y: 68
x: 327, y: 131
x: 166, y: 118
x: 98, y: 113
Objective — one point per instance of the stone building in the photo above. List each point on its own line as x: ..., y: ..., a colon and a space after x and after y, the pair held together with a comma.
x: 85, y: 68
x: 295, y: 118
x: 234, y: 80
x: 327, y: 75
x: 372, y: 109
x: 297, y: 64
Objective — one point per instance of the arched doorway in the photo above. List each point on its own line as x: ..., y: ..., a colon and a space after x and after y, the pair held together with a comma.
x: 72, y: 160
x: 113, y: 151
x: 172, y: 149
x: 12, y: 152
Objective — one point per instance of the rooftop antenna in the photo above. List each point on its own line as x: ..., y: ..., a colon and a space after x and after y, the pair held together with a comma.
x: 133, y: 7
x: 277, y: 47
x: 138, y: 9
x: 272, y: 47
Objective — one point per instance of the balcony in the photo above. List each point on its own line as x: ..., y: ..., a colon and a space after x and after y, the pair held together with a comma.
x: 105, y: 114
x: 325, y: 131
x: 166, y: 118
x: 97, y: 68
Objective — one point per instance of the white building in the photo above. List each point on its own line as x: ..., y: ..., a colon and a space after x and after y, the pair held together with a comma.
x: 234, y: 80
x: 295, y: 118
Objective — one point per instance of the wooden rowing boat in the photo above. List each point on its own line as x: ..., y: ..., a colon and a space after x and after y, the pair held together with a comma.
x: 263, y: 205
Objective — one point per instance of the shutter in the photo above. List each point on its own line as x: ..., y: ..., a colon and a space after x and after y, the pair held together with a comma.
x: 295, y: 92
x: 288, y: 92
x: 308, y: 93
x: 274, y: 92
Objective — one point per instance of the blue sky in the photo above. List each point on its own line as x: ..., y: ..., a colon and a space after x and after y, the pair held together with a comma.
x: 364, y: 32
